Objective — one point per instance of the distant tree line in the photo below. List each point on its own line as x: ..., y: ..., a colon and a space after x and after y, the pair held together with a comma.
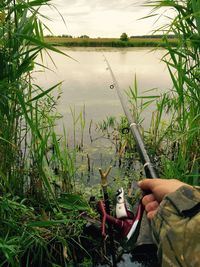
x: 123, y: 37
x: 67, y: 36
x: 157, y: 36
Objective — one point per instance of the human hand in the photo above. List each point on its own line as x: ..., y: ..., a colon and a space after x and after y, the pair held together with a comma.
x: 159, y: 189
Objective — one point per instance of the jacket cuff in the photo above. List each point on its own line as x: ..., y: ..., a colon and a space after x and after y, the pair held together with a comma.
x: 186, y: 200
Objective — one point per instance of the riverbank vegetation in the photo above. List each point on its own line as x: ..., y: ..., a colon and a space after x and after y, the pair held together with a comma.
x: 40, y: 222
x: 85, y: 41
x: 179, y: 139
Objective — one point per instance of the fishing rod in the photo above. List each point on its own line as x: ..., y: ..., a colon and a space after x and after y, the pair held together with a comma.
x: 149, y: 169
x: 125, y: 221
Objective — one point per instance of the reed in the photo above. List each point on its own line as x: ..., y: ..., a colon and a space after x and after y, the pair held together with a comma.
x: 23, y: 114
x: 36, y: 167
x: 182, y: 103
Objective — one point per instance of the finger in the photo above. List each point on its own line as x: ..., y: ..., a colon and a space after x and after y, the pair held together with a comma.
x: 152, y: 206
x: 148, y: 184
x: 148, y: 198
x: 151, y: 214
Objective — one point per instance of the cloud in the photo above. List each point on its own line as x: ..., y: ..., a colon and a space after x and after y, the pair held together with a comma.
x: 99, y: 17
x: 71, y: 7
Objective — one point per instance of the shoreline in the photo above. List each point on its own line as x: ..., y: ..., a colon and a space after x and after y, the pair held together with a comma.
x: 109, y: 42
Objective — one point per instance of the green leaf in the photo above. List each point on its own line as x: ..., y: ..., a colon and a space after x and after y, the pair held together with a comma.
x: 48, y: 223
x: 37, y: 42
x: 46, y: 92
x: 196, y: 10
x: 73, y: 202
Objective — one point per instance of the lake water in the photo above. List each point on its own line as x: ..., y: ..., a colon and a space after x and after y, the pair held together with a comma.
x: 86, y: 81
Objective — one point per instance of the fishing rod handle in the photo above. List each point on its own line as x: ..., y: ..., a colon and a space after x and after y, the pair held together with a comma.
x: 149, y: 169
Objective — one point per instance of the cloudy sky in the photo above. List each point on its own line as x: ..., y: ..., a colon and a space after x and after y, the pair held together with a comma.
x: 99, y: 18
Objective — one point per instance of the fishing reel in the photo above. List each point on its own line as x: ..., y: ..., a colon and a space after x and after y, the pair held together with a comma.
x: 126, y: 221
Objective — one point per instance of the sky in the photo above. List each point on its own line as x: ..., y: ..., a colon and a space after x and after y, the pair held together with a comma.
x: 99, y: 18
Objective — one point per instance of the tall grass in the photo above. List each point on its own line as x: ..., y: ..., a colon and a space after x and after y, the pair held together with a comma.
x: 21, y: 112
x: 36, y: 167
x: 182, y: 103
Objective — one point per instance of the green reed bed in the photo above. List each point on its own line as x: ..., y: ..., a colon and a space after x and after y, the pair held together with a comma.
x: 39, y: 217
x: 177, y: 139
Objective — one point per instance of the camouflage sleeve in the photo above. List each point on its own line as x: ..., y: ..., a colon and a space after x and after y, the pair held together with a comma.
x: 176, y: 228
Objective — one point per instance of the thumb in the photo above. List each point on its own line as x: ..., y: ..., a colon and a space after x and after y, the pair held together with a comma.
x: 147, y: 184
